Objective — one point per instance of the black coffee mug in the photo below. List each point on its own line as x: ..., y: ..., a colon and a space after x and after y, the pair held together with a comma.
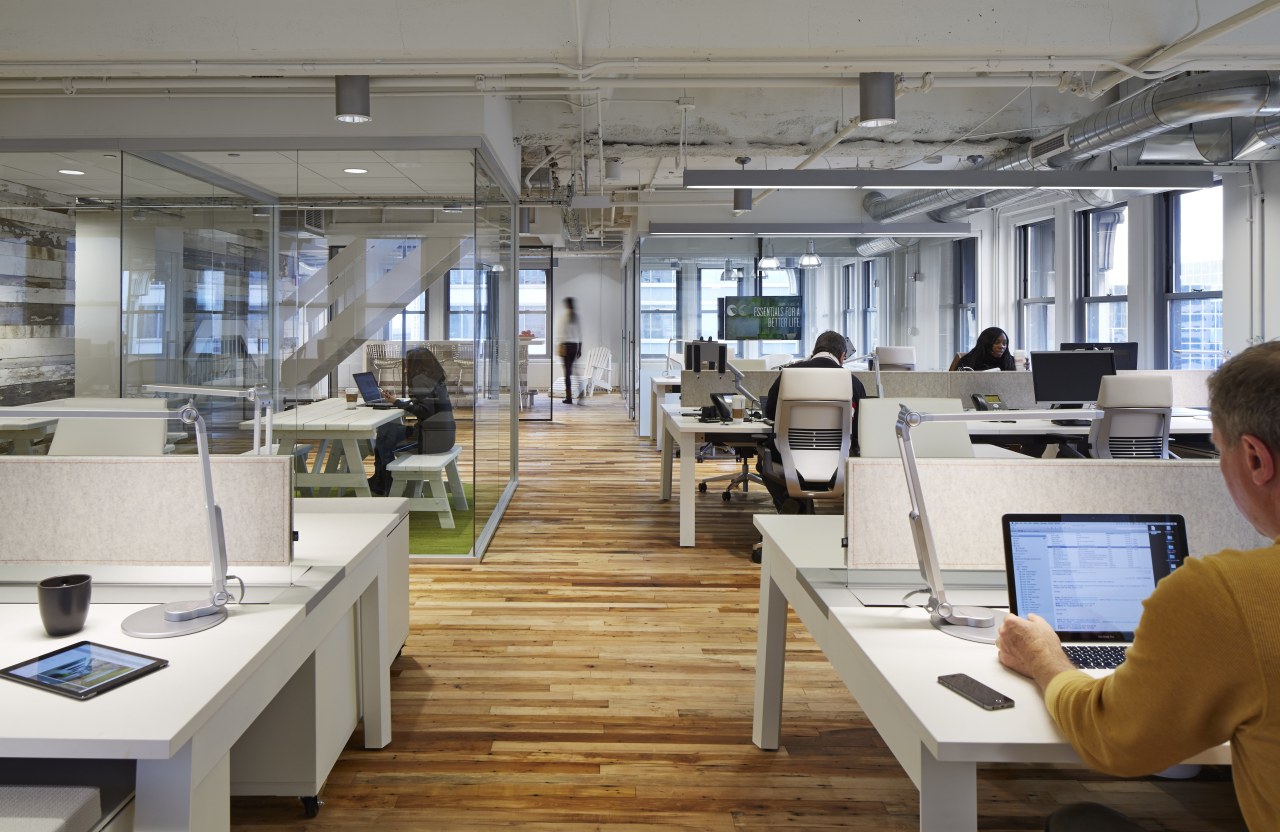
x: 64, y: 603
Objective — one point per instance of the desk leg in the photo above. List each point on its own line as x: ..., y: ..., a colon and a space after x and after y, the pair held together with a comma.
x: 771, y: 662
x: 948, y: 795
x: 687, y: 490
x: 168, y: 797
x: 375, y: 663
x: 667, y: 454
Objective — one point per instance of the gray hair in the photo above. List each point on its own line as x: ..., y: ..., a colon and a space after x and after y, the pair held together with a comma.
x: 1244, y: 396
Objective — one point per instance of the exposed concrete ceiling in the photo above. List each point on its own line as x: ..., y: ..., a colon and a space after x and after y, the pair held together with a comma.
x: 659, y: 85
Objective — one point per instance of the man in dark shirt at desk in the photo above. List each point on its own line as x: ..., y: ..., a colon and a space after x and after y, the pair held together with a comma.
x: 830, y: 350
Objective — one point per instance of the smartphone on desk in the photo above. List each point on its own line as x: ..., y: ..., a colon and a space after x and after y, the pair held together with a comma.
x: 976, y: 692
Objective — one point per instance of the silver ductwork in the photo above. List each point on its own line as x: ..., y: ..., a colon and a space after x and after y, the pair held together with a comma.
x: 883, y: 245
x: 1153, y: 111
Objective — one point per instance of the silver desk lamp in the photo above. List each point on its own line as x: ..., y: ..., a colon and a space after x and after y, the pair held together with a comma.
x: 738, y: 378
x: 177, y: 618
x: 970, y: 623
x: 870, y: 358
x: 263, y: 404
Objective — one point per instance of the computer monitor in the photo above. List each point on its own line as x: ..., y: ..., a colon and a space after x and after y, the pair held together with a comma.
x: 704, y: 355
x: 1126, y: 351
x: 1070, y: 377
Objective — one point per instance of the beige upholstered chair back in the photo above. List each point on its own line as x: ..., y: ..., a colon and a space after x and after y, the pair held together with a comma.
x: 812, y: 428
x: 1136, y: 409
x: 896, y: 358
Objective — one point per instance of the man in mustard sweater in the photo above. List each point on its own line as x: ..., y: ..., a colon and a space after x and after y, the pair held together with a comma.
x: 1204, y: 667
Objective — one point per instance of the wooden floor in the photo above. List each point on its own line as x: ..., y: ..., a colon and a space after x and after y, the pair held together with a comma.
x: 592, y: 675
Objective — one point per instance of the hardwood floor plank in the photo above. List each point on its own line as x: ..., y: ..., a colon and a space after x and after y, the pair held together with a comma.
x: 593, y: 675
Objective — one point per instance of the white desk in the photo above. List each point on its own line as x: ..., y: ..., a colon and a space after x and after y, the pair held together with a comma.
x: 890, y: 658
x: 340, y: 432
x: 685, y: 432
x: 180, y: 724
x: 659, y: 387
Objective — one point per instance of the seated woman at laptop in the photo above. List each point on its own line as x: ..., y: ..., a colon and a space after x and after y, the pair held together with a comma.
x: 990, y: 353
x: 429, y: 401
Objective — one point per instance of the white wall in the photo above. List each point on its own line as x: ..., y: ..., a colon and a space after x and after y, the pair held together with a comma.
x: 595, y: 284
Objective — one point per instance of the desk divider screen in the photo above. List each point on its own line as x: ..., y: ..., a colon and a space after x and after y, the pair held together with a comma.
x: 143, y: 510
x: 967, y: 497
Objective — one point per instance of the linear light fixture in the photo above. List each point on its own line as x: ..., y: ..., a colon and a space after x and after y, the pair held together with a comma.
x: 886, y: 180
x: 351, y: 95
x: 809, y: 230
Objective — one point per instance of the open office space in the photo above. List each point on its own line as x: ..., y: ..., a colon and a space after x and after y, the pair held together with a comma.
x: 586, y: 640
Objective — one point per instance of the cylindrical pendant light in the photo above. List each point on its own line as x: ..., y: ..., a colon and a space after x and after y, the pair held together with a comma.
x: 876, y: 99
x: 742, y: 198
x: 351, y: 94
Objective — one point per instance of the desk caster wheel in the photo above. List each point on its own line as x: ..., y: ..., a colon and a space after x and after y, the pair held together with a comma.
x: 702, y: 486
x: 311, y: 806
x: 727, y: 496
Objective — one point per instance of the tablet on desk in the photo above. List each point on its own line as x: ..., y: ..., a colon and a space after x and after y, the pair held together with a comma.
x: 83, y: 669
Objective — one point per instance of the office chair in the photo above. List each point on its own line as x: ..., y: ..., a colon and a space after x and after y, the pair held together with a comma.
x: 896, y: 358
x: 955, y: 362
x: 812, y: 430
x: 878, y: 437
x: 1136, y: 410
x: 774, y: 360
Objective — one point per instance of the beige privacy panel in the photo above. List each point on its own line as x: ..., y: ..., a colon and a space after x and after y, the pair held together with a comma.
x: 132, y: 510
x: 965, y: 500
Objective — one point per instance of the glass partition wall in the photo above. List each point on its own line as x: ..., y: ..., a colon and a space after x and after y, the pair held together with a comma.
x: 292, y: 270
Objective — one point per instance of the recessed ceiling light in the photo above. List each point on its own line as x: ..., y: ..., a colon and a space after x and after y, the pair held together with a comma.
x: 354, y: 170
x: 70, y: 172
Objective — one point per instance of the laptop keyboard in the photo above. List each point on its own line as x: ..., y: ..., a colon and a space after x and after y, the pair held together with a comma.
x: 1095, y: 656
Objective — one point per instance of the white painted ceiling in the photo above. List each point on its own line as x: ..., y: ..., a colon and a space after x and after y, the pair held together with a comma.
x: 660, y: 85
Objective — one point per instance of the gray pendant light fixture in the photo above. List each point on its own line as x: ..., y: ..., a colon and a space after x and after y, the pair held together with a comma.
x: 876, y: 98
x: 732, y: 273
x: 351, y: 94
x: 768, y: 261
x: 810, y: 258
x: 742, y: 198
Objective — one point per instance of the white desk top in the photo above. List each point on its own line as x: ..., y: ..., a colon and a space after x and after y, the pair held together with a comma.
x: 152, y: 717
x: 1184, y: 425
x: 904, y: 649
x: 330, y: 415
x: 690, y: 424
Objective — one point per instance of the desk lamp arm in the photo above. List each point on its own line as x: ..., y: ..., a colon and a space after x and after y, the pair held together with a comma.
x: 738, y: 378
x: 218, y: 595
x: 870, y: 358
x: 941, y: 611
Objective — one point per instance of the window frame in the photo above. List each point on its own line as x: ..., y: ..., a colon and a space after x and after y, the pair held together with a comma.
x: 1169, y: 246
x: 1022, y: 275
x: 1084, y: 275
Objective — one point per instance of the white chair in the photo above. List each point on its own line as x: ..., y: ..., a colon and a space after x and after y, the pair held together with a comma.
x: 877, y: 436
x: 1136, y: 409
x: 599, y: 370
x: 812, y: 429
x: 896, y: 358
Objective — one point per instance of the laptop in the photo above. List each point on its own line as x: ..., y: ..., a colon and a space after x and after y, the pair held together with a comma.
x: 1088, y: 574
x: 370, y: 392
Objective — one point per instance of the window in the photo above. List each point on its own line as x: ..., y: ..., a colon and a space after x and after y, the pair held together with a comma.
x: 1193, y: 290
x: 533, y: 307
x: 966, y: 254
x: 870, y: 305
x: 468, y: 304
x: 713, y: 284
x: 1036, y: 278
x: 659, y: 310
x: 1104, y: 261
x: 410, y: 324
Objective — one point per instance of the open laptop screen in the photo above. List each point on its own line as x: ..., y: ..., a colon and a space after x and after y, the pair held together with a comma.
x: 1088, y: 574
x: 368, y: 385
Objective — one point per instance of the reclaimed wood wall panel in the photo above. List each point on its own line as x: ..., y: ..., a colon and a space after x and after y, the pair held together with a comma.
x: 37, y: 303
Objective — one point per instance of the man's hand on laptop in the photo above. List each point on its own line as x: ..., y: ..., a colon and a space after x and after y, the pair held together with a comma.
x: 1030, y: 646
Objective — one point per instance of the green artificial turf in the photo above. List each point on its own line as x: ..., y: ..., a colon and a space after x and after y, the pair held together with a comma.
x: 427, y: 538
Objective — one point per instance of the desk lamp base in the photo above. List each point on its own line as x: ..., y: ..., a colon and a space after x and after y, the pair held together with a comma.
x: 970, y: 623
x: 151, y: 623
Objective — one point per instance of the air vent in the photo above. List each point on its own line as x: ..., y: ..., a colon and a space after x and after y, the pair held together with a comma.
x: 1045, y: 148
x: 305, y: 223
